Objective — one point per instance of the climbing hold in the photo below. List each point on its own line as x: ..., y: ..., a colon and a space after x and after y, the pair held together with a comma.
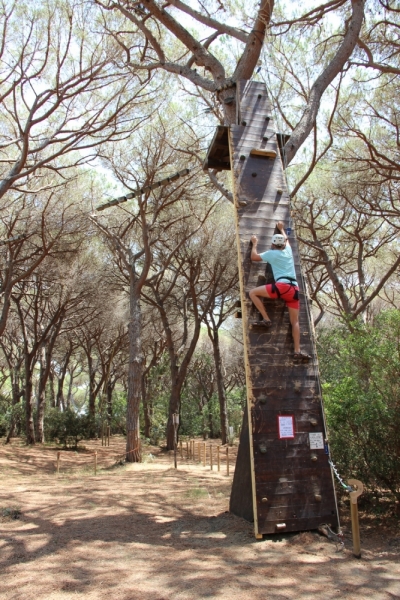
x: 264, y: 499
x: 244, y: 123
x: 242, y: 157
x: 254, y: 174
x: 318, y: 497
x: 263, y: 153
x: 229, y: 100
x: 314, y: 457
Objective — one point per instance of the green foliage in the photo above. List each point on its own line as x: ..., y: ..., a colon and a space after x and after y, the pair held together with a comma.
x: 5, y: 416
x: 361, y: 383
x: 68, y: 428
x: 11, y: 413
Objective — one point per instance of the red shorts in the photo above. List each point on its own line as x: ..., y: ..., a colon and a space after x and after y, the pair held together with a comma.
x: 288, y: 293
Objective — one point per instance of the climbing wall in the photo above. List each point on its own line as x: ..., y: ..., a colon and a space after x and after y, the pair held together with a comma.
x: 283, y: 480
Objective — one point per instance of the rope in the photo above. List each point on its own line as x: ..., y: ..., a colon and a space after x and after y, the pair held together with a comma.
x: 119, y: 456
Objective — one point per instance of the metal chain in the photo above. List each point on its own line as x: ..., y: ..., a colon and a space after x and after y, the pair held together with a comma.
x: 348, y: 488
x: 338, y: 538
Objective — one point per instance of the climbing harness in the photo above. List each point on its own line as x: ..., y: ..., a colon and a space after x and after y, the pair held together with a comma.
x: 348, y: 488
x: 293, y: 283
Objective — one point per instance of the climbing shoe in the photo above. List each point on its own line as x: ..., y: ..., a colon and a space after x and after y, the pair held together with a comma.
x: 302, y: 356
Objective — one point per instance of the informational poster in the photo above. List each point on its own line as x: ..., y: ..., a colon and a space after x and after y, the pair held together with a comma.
x: 316, y: 441
x: 285, y: 426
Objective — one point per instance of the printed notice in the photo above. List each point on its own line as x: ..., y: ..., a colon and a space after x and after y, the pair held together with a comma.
x: 316, y: 441
x: 286, y: 426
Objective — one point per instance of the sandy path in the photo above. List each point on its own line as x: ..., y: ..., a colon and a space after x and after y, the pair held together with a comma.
x: 150, y: 532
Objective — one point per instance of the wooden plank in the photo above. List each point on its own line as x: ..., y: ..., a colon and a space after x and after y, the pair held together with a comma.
x: 263, y: 153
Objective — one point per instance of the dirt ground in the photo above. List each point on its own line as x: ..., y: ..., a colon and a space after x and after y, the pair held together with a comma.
x: 151, y: 532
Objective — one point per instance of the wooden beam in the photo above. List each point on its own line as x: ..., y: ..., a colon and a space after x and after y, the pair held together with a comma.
x: 262, y: 152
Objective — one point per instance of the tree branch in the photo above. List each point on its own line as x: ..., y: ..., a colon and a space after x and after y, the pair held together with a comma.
x: 308, y: 119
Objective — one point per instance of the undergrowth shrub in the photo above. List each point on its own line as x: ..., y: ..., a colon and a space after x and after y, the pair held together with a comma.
x: 360, y: 372
x: 68, y: 428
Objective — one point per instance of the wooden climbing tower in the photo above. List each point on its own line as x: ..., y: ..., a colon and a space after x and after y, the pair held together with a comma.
x: 283, y: 480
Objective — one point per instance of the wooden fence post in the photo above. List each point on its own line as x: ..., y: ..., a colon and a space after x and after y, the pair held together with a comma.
x: 58, y: 462
x: 108, y: 435
x: 187, y: 449
x: 205, y: 454
x: 227, y: 460
x: 180, y: 448
x: 218, y: 459
x: 175, y: 421
x: 95, y: 463
x: 211, y: 458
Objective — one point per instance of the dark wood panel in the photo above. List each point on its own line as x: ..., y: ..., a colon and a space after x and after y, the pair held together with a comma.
x: 276, y: 383
x: 292, y: 470
x: 296, y: 524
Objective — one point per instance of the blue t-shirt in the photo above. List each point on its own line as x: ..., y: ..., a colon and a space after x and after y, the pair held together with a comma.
x: 282, y: 264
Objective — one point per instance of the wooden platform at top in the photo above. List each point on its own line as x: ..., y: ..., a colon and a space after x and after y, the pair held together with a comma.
x: 280, y: 484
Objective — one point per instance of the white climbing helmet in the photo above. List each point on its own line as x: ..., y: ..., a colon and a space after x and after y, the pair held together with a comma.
x: 278, y: 239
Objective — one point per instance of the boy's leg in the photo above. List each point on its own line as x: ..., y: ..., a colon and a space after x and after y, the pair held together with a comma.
x: 294, y: 321
x: 255, y: 296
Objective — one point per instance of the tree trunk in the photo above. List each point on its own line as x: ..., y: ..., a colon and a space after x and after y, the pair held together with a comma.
x: 52, y: 395
x: 136, y: 362
x: 146, y: 409
x: 223, y: 409
x: 92, y: 388
x: 16, y: 397
x: 41, y: 401
x: 92, y: 396
x: 174, y: 407
x: 69, y: 393
x: 178, y: 376
x: 30, y: 429
x: 109, y: 391
x: 60, y: 404
x: 45, y: 366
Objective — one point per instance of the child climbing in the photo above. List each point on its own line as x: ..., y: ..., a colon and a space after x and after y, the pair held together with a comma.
x: 280, y: 258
